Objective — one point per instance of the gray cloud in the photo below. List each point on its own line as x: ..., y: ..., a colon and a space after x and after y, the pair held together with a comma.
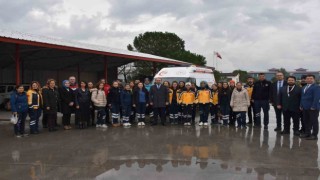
x: 251, y: 35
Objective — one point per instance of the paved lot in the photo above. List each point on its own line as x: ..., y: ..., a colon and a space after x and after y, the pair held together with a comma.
x: 171, y: 152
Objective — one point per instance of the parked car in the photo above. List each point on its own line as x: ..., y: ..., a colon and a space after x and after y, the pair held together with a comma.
x: 5, y: 92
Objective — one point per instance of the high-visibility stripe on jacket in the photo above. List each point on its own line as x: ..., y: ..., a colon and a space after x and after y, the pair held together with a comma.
x: 203, y: 96
x: 34, y: 99
x: 187, y: 97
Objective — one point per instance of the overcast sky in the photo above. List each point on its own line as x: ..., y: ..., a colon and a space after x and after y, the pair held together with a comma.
x: 249, y: 34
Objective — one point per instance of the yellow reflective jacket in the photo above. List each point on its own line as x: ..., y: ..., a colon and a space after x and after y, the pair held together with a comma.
x: 204, y: 96
x: 187, y: 97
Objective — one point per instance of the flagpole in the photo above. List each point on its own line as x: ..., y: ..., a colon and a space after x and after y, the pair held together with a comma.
x: 215, y: 62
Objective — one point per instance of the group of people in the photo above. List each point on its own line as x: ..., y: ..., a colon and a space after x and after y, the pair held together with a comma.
x: 227, y: 103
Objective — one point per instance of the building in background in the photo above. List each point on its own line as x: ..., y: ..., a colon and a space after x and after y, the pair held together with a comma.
x: 230, y: 76
x: 270, y: 74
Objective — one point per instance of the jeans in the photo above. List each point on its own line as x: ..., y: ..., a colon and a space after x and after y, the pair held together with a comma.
x: 241, y: 118
x: 204, y: 112
x: 264, y: 104
x: 20, y: 126
x: 101, y: 116
x: 34, y: 115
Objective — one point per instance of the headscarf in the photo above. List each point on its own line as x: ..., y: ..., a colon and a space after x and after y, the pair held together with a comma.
x: 63, y: 83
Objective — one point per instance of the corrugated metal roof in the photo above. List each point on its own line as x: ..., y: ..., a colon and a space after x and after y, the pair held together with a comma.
x: 75, y: 44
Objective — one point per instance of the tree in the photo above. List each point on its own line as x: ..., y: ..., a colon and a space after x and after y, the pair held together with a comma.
x: 217, y: 75
x: 163, y: 44
x: 243, y: 75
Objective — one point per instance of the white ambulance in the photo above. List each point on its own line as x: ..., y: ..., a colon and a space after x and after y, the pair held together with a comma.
x: 187, y: 74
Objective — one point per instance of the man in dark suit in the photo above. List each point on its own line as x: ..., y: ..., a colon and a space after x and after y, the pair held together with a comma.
x: 159, y: 99
x: 274, y: 95
x: 310, y: 105
x: 289, y: 103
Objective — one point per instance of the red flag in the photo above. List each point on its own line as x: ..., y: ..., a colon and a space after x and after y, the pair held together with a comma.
x: 218, y: 55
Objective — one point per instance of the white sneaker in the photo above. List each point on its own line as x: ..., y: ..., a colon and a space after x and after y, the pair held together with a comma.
x: 201, y: 124
x: 143, y: 124
x: 186, y: 124
x: 104, y: 126
x: 189, y: 124
x: 206, y: 124
x: 129, y: 124
x: 97, y: 126
x: 139, y: 123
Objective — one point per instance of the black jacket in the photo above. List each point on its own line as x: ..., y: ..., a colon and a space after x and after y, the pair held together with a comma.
x: 224, y: 97
x: 114, y: 96
x: 135, y: 98
x: 261, y: 90
x: 274, y: 92
x: 159, y: 97
x: 50, y: 99
x: 290, y: 102
x: 82, y: 98
x: 66, y: 97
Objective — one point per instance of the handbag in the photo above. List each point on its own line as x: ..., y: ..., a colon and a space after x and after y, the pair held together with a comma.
x: 14, y: 119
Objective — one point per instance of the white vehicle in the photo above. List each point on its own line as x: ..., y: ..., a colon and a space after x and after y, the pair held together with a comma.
x: 5, y: 92
x: 187, y: 74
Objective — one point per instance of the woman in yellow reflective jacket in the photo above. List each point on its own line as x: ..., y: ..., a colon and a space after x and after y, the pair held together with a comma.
x: 204, y: 98
x: 187, y: 100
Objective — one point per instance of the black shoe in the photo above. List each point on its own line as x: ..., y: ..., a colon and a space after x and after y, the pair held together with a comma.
x: 312, y: 137
x: 265, y: 127
x: 304, y: 135
x: 58, y: 125
x: 249, y: 123
x: 257, y: 126
x: 163, y: 124
x: 153, y: 124
x: 296, y: 133
x: 284, y: 132
x: 45, y: 126
x: 277, y: 129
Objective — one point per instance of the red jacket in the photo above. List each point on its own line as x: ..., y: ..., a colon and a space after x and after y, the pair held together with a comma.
x: 106, y: 89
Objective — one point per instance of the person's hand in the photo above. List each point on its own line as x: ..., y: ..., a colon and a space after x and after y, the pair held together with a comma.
x: 48, y: 108
x: 133, y: 105
x: 151, y: 103
x: 252, y: 100
x: 279, y: 106
x: 77, y: 107
x: 167, y: 103
x: 109, y: 105
x: 301, y: 109
x: 312, y: 109
x: 147, y: 105
x: 71, y: 104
